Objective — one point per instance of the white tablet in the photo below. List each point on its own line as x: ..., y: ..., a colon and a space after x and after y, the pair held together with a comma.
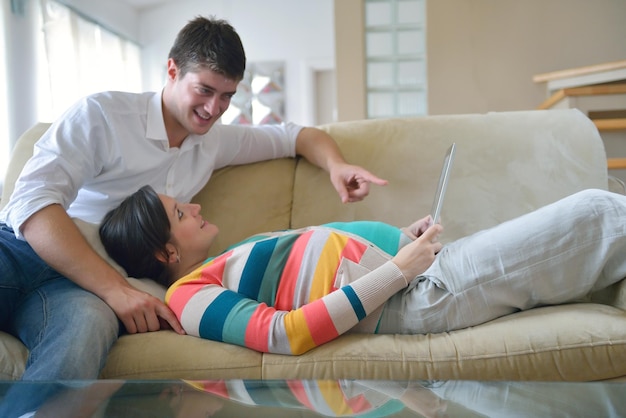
x: 443, y: 184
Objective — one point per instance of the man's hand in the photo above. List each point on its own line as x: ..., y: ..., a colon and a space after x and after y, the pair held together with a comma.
x: 141, y: 312
x: 415, y: 258
x: 353, y: 182
x: 350, y: 181
x: 76, y: 260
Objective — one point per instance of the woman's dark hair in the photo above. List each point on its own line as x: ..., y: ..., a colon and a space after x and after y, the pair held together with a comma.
x: 135, y: 232
x: 209, y: 43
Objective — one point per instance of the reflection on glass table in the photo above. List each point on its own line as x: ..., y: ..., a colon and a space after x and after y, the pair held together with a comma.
x: 311, y: 398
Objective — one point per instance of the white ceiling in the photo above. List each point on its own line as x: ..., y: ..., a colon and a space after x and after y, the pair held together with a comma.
x: 145, y: 4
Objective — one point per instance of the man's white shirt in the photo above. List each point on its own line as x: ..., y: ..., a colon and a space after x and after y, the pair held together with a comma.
x: 110, y: 144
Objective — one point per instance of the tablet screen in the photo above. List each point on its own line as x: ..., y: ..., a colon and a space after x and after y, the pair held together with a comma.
x: 443, y: 184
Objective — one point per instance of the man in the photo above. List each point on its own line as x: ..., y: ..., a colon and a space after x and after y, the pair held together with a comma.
x: 104, y: 148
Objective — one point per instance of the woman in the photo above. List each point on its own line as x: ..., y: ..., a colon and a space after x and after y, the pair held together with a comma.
x: 289, y: 291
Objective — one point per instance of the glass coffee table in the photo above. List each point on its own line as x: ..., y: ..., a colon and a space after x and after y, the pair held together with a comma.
x: 311, y: 398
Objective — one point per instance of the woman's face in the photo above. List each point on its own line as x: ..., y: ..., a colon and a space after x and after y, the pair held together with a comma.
x: 191, y: 234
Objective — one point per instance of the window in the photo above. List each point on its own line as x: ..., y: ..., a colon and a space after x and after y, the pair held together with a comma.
x: 74, y: 56
x: 4, y: 131
x: 82, y: 58
x: 395, y: 51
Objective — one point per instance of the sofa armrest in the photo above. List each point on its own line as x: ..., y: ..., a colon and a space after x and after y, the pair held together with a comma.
x: 614, y: 295
x: 616, y: 185
x: 22, y: 151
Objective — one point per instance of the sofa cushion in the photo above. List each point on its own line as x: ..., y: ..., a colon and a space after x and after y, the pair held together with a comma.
x: 22, y: 151
x: 502, y: 169
x: 167, y: 355
x: 91, y: 234
x: 575, y: 342
x: 13, y: 356
x: 248, y: 199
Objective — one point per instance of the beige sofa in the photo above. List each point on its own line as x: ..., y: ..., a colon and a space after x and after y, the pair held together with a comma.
x: 506, y: 164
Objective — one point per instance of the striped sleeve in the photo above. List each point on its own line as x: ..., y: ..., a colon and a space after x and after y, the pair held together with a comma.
x: 213, y: 312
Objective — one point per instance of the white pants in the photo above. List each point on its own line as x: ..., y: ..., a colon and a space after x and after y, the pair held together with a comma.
x: 556, y: 254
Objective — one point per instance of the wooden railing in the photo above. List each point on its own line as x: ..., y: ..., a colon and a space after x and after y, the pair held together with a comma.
x: 601, y: 89
x: 583, y: 76
x: 594, y: 80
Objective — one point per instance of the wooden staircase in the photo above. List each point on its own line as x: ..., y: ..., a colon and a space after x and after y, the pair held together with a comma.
x: 599, y: 91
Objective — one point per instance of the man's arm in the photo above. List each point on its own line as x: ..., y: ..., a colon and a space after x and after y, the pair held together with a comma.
x: 350, y: 181
x: 57, y: 240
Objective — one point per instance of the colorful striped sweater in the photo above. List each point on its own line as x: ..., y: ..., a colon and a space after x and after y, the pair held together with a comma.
x: 289, y: 291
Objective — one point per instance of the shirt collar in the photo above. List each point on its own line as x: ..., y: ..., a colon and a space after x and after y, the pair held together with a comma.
x: 155, y: 124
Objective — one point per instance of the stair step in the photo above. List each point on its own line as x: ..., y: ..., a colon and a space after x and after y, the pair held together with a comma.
x: 607, y: 114
x: 616, y: 163
x: 595, y: 90
x: 610, y: 124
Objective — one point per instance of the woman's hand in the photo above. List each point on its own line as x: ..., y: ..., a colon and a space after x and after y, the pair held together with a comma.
x: 415, y: 258
x: 417, y: 228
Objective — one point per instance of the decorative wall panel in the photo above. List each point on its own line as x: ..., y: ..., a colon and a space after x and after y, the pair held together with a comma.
x: 260, y: 97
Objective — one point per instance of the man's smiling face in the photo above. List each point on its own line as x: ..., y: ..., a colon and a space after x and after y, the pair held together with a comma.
x: 197, y: 99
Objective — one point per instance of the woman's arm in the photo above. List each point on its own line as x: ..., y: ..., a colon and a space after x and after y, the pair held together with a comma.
x: 216, y: 313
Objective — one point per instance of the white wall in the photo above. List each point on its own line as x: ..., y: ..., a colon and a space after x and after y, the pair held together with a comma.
x: 115, y: 15
x: 482, y: 54
x: 298, y: 32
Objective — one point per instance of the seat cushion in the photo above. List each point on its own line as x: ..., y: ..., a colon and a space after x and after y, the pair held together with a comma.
x: 167, y: 355
x: 576, y: 342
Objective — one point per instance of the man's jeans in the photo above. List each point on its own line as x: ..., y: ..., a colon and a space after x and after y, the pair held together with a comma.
x: 68, y: 330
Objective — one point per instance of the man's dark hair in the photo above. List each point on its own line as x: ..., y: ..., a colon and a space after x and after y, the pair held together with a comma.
x: 135, y: 232
x: 212, y: 44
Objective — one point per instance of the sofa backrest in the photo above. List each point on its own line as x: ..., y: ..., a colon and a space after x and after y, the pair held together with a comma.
x: 248, y: 199
x: 506, y: 164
